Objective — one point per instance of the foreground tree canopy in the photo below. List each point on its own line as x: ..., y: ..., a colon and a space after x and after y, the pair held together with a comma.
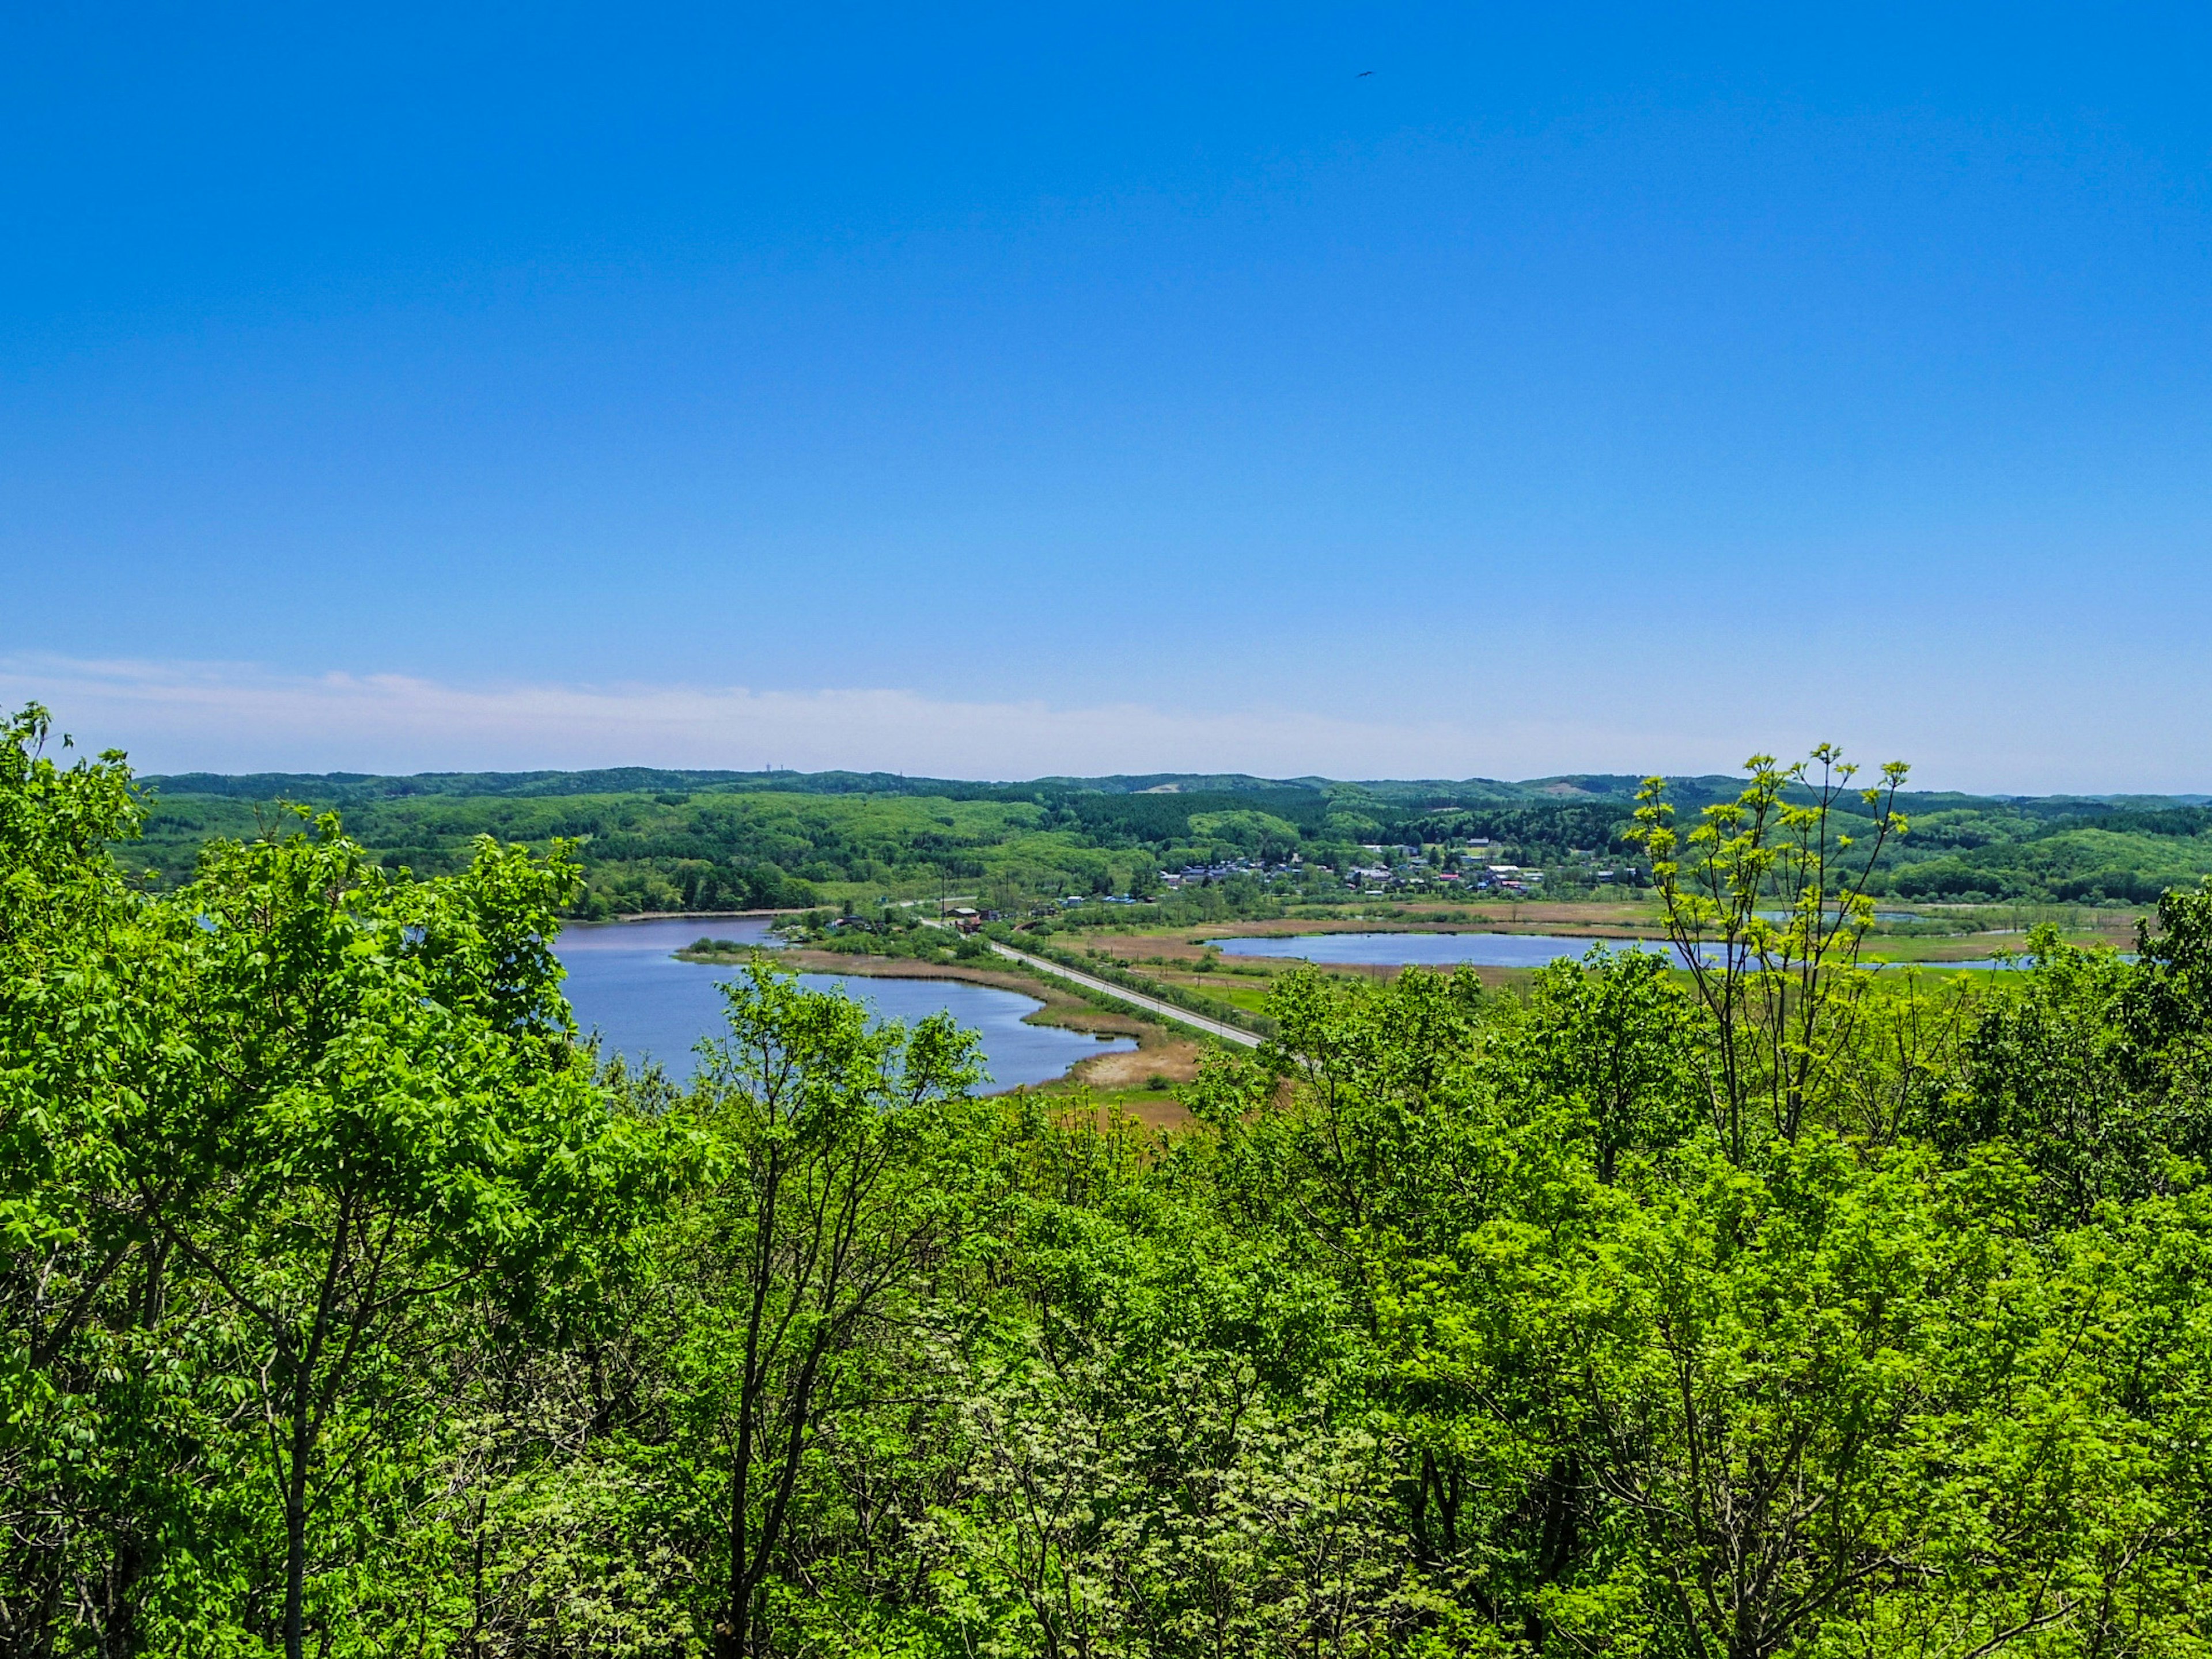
x: 1769, y: 1308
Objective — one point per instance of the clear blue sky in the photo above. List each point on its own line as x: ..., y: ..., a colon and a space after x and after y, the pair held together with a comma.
x: 1004, y: 391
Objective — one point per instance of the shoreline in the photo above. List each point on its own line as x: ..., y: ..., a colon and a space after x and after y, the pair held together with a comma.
x: 1160, y: 1052
x: 674, y: 915
x: 1903, y: 950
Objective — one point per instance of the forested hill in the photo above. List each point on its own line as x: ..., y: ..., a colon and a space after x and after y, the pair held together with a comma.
x: 342, y: 788
x: 668, y: 840
x: 693, y: 840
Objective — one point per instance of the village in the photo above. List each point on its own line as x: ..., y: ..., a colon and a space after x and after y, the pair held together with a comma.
x: 1466, y: 867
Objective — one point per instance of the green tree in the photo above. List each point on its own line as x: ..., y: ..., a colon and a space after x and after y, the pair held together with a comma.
x: 1768, y: 900
x: 377, y: 1109
x: 85, y: 1489
x: 841, y: 1182
x: 1614, y: 1035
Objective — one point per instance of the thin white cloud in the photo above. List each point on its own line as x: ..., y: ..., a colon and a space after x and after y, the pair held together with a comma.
x: 229, y: 717
x: 175, y: 716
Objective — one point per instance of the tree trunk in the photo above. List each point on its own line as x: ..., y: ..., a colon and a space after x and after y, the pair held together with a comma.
x: 295, y: 1555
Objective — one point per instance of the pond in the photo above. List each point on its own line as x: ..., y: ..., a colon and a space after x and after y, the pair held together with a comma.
x: 1425, y: 949
x: 1476, y: 949
x: 1879, y: 915
x: 625, y: 982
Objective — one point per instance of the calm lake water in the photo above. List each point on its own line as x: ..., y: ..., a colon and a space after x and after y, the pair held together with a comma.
x: 623, y: 982
x: 1452, y: 950
x: 1424, y: 950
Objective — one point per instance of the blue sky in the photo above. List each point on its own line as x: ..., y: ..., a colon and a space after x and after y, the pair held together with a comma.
x: 999, y: 392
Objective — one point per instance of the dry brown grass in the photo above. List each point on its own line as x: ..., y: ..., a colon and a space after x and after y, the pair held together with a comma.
x: 1175, y: 1060
x: 1154, y: 1114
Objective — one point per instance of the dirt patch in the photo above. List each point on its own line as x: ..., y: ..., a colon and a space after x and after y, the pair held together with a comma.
x: 1175, y: 1060
x: 1158, y: 1114
x: 1162, y: 1112
x: 1127, y: 950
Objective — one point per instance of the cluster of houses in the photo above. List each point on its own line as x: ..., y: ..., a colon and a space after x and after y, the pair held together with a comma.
x: 1466, y: 867
x: 1472, y: 867
x: 1197, y: 875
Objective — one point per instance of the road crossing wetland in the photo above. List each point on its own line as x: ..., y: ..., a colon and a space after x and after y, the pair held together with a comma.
x: 625, y: 982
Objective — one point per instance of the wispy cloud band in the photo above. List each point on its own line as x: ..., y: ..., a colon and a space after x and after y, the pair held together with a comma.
x: 174, y: 716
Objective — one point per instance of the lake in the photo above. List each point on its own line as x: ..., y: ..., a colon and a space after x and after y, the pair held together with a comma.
x: 1456, y: 950
x: 623, y: 981
x: 1426, y: 949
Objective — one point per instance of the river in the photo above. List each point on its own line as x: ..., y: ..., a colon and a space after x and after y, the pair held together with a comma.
x: 625, y: 982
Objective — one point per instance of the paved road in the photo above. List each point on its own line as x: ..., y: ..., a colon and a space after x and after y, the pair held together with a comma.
x: 1135, y: 999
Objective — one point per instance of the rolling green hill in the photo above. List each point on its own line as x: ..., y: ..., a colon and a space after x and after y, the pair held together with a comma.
x: 709, y: 841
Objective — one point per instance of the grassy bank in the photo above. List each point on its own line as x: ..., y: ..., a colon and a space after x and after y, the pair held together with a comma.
x: 1141, y: 1084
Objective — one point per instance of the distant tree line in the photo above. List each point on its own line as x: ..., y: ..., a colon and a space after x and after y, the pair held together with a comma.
x: 734, y: 841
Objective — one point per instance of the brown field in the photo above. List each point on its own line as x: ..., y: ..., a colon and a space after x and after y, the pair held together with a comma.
x: 1174, y: 1058
x: 1162, y: 1112
x: 1123, y: 1083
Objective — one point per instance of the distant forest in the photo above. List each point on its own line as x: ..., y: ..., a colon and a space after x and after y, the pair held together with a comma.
x: 714, y: 841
